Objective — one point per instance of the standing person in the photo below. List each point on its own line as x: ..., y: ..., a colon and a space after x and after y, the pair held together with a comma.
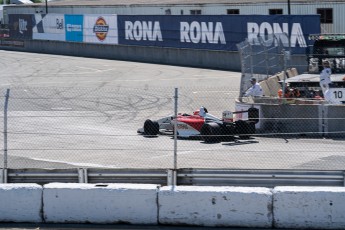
x: 255, y: 90
x: 325, y: 76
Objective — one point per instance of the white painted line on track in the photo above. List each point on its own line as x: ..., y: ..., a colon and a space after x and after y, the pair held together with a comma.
x: 61, y: 108
x: 74, y: 163
x: 220, y: 91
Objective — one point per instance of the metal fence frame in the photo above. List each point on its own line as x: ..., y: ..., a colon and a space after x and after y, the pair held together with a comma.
x: 200, y: 177
x: 173, y: 176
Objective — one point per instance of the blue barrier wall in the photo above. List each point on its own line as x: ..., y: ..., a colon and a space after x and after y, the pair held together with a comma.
x: 216, y: 32
x: 196, y: 41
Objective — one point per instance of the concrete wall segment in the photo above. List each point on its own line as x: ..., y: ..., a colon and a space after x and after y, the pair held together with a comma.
x: 309, y: 207
x: 297, y: 207
x: 20, y: 203
x: 215, y: 206
x: 335, y: 120
x: 227, y: 60
x: 290, y: 118
x: 97, y: 203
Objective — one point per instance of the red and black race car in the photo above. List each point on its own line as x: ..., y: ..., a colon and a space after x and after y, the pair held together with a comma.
x: 203, y: 125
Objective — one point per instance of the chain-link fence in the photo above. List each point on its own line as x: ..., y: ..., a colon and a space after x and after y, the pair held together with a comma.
x: 292, y: 103
x: 266, y: 58
x: 97, y: 127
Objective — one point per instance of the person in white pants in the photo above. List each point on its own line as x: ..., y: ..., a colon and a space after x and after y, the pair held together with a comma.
x: 325, y: 76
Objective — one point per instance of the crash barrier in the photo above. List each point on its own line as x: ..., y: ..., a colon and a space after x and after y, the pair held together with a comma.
x: 215, y: 206
x: 281, y: 207
x: 20, y: 203
x: 100, y: 203
x: 308, y: 119
x: 215, y: 59
x: 188, y: 176
x: 309, y: 207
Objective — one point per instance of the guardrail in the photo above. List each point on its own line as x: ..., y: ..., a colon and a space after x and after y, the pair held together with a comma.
x: 202, y: 177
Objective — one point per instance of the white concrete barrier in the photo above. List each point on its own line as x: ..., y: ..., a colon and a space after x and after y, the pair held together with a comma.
x: 215, y: 206
x: 108, y: 203
x: 20, y: 203
x: 309, y: 207
x: 283, y: 207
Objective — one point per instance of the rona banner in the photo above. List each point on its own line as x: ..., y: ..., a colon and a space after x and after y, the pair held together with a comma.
x: 217, y: 32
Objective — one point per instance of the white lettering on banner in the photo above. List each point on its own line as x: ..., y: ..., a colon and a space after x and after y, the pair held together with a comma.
x: 22, y: 26
x: 266, y: 31
x: 202, y: 32
x: 142, y: 30
x: 73, y: 28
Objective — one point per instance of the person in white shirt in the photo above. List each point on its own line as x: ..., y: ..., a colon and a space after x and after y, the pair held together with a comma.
x: 325, y: 76
x: 255, y: 90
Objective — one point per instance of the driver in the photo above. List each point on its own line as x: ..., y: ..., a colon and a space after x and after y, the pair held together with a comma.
x: 202, y: 111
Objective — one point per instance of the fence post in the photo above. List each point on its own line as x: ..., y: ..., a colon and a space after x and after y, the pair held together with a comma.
x: 323, y: 120
x: 81, y: 176
x: 4, y: 176
x: 1, y: 176
x: 175, y: 139
x: 170, y: 177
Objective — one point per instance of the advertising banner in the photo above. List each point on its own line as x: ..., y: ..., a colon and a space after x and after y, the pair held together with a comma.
x: 212, y: 32
x: 21, y: 25
x: 10, y: 42
x: 74, y: 28
x: 100, y: 29
x: 49, y: 27
x: 217, y: 32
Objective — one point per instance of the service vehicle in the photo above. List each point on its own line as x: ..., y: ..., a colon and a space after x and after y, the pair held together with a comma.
x: 203, y: 125
x: 329, y: 47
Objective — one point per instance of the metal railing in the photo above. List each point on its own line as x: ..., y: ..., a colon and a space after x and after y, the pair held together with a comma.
x: 200, y: 177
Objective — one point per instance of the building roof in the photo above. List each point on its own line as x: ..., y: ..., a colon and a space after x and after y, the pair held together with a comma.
x: 175, y: 2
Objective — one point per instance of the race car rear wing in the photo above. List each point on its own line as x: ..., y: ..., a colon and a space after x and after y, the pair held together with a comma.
x: 253, y: 115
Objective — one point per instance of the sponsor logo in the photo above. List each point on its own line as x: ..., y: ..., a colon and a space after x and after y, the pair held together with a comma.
x: 143, y: 30
x: 22, y: 24
x: 101, y: 29
x: 272, y: 34
x: 73, y: 28
x: 12, y: 43
x: 59, y: 24
x: 204, y: 32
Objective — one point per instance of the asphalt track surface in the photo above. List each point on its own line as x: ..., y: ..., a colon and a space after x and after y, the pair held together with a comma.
x: 68, y: 112
x: 118, y: 227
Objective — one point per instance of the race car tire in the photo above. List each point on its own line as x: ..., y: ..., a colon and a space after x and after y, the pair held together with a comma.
x: 211, y: 132
x: 228, y: 132
x: 253, y: 115
x: 244, y: 128
x: 151, y: 128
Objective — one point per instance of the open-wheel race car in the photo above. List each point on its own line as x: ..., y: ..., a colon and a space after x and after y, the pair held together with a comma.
x: 203, y: 125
